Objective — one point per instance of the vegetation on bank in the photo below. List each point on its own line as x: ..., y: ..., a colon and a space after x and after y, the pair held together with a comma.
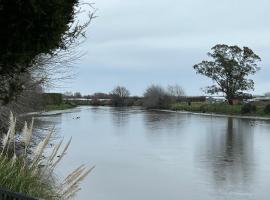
x: 61, y: 106
x: 258, y: 109
x: 36, y: 44
x: 27, y: 168
x: 37, y: 48
x: 230, y: 68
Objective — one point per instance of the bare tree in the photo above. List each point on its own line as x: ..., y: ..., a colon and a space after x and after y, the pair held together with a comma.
x: 68, y: 94
x: 156, y: 97
x: 119, y: 94
x: 29, y: 100
x: 77, y: 95
x: 267, y: 94
x: 175, y: 91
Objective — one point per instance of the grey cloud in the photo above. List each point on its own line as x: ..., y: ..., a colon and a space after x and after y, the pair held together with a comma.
x: 136, y: 43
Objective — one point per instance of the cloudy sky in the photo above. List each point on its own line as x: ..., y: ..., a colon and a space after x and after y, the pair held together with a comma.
x: 138, y: 43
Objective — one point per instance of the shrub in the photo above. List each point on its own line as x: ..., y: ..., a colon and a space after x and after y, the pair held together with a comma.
x: 267, y: 109
x: 248, y: 108
x: 52, y: 98
x: 203, y: 108
x: 156, y: 97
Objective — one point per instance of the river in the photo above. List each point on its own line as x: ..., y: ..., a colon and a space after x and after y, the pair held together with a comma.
x: 151, y: 155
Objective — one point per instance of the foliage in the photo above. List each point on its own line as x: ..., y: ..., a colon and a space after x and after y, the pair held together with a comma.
x: 16, y: 178
x: 62, y: 106
x: 267, y: 109
x: 248, y: 108
x: 219, y: 108
x: 25, y: 168
x: 33, y: 32
x: 52, y: 98
x: 229, y: 69
x: 255, y: 109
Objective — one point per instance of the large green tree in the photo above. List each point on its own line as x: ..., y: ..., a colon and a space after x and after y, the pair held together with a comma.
x: 30, y: 29
x: 229, y: 68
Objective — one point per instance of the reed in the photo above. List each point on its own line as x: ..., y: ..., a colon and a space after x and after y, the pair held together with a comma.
x: 32, y: 172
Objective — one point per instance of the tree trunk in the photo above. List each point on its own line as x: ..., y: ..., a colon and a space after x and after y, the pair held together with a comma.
x: 230, y: 101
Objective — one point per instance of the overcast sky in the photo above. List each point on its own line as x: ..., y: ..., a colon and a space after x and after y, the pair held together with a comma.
x: 136, y: 43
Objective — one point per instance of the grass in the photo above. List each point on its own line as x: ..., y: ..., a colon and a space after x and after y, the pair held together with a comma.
x: 218, y: 108
x: 29, y: 169
x: 15, y: 177
x: 62, y: 106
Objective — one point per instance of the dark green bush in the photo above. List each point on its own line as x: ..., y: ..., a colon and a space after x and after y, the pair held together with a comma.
x: 52, y: 98
x: 31, y: 29
x: 248, y: 108
x: 267, y: 109
x: 203, y: 108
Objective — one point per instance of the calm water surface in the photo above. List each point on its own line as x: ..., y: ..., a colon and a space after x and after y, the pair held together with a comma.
x: 147, y: 155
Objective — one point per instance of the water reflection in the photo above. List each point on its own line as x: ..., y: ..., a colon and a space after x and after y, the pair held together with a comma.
x: 155, y: 120
x: 229, y: 156
x: 156, y: 155
x: 120, y: 116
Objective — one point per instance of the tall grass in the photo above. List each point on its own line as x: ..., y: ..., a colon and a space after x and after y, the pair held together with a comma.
x: 30, y: 170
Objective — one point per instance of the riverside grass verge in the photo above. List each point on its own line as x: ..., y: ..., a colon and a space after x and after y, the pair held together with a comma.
x: 221, y: 108
x: 29, y: 169
x: 62, y: 106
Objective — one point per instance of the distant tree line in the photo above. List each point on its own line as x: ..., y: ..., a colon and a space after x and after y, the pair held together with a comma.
x: 230, y: 68
x: 155, y: 96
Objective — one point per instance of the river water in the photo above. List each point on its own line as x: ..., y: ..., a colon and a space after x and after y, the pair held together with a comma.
x: 150, y: 155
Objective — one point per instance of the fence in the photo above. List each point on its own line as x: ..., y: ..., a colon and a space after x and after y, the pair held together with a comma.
x: 7, y: 195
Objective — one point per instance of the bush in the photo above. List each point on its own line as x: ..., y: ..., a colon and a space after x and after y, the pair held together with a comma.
x: 248, y: 108
x: 267, y: 109
x: 52, y: 98
x: 203, y: 108
x: 156, y: 97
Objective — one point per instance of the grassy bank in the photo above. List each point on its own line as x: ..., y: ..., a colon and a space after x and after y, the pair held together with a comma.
x: 62, y: 106
x: 222, y: 108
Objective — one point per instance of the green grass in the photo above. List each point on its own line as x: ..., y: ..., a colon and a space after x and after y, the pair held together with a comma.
x: 30, y: 170
x: 14, y: 176
x: 62, y: 106
x: 218, y: 108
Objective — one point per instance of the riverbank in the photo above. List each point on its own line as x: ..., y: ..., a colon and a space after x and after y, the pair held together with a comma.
x: 215, y: 114
x: 62, y: 106
x: 220, y: 109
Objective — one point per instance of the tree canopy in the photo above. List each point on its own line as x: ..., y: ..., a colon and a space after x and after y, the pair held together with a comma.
x: 230, y: 69
x: 30, y: 29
